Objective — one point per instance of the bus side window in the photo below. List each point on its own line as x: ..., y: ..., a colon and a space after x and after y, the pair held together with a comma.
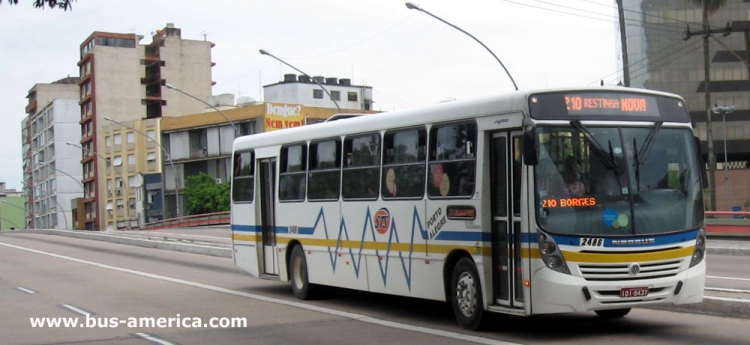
x: 292, y: 173
x: 243, y: 176
x: 325, y: 170
x: 361, y: 170
x: 452, y: 168
x: 403, y: 173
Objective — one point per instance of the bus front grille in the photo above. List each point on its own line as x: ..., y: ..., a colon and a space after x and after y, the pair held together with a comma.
x: 621, y: 271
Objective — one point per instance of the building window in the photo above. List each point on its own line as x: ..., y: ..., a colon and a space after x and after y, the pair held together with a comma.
x: 131, y: 181
x: 151, y: 157
x: 131, y: 159
x: 117, y: 161
x: 120, y: 204
x: 131, y: 137
x: 317, y: 94
x: 151, y: 135
x: 118, y: 139
x: 108, y: 141
x: 352, y: 96
x: 336, y: 95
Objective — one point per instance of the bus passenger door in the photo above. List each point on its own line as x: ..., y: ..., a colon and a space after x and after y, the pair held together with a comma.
x: 505, y: 182
x: 267, y: 170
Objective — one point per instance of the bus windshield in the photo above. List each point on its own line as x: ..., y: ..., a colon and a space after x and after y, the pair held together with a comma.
x: 617, y: 181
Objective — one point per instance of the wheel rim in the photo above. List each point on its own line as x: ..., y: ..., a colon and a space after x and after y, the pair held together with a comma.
x: 466, y: 294
x: 298, y: 273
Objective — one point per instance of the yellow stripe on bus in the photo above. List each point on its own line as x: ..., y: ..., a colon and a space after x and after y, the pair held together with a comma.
x: 628, y: 257
x: 484, y: 251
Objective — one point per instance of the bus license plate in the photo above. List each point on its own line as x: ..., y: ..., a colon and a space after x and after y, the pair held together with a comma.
x: 634, y: 292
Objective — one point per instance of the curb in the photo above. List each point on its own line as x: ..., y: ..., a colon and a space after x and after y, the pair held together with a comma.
x: 717, y: 306
x: 146, y: 243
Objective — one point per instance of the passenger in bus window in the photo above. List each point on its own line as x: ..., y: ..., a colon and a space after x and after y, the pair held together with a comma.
x: 572, y: 175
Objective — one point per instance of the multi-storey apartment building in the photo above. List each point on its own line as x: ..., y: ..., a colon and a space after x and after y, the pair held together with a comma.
x: 52, y: 171
x: 202, y: 143
x: 124, y: 80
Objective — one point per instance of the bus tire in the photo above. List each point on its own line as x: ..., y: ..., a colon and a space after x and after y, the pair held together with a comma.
x: 301, y: 286
x: 612, y: 313
x: 466, y: 294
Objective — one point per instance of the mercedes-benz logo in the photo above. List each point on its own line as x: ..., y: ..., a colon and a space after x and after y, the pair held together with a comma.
x: 634, y: 268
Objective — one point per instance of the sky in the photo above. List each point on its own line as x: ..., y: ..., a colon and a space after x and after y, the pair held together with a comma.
x: 409, y: 58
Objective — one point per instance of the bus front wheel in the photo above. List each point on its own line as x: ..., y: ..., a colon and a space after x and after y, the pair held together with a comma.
x: 466, y: 294
x: 301, y: 286
x: 612, y: 313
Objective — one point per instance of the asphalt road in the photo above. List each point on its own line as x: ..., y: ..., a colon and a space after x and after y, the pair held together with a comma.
x: 56, y: 276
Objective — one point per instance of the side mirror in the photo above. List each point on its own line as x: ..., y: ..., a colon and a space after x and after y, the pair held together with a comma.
x: 529, y: 147
x: 699, y: 151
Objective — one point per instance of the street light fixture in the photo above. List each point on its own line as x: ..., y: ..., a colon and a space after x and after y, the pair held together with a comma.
x: 166, y: 155
x: 412, y: 6
x: 724, y: 111
x: 126, y: 202
x: 172, y: 87
x: 264, y: 52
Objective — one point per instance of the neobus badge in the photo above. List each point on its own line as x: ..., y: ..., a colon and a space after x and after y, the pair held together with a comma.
x: 382, y: 220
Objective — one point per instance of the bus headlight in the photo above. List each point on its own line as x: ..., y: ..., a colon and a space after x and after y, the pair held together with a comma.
x: 700, y: 248
x: 551, y: 257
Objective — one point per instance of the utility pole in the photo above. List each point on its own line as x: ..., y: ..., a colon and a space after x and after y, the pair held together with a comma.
x: 623, y: 44
x: 735, y: 26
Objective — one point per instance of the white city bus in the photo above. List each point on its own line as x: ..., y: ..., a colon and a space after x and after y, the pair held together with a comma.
x: 531, y: 202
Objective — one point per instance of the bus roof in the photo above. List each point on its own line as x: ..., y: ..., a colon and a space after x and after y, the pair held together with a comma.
x: 439, y: 112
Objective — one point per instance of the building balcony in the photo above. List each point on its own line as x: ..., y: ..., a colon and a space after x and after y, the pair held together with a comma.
x: 31, y: 108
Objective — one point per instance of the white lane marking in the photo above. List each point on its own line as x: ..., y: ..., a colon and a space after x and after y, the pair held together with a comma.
x: 25, y: 290
x: 728, y: 278
x: 75, y: 309
x: 339, y: 313
x: 726, y: 290
x: 735, y: 300
x: 153, y: 339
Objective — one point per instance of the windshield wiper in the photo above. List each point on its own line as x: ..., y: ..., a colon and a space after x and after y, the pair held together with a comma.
x: 647, y: 144
x: 642, y: 154
x: 608, y: 160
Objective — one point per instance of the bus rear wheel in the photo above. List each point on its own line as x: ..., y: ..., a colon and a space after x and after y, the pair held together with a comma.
x: 612, y: 313
x: 466, y: 295
x: 301, y: 286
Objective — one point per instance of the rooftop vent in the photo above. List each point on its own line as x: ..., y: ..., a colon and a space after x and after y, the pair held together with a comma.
x: 290, y: 78
x: 304, y: 78
x: 332, y: 81
x: 319, y: 79
x: 345, y: 82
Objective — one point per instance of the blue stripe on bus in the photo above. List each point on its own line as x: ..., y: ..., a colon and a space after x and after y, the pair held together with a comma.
x: 464, y: 236
x: 658, y: 240
x: 632, y: 241
x: 248, y: 228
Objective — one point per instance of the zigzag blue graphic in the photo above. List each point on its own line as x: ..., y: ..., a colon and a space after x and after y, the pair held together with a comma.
x: 368, y: 223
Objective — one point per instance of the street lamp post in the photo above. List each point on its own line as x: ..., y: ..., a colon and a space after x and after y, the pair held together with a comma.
x: 264, y: 52
x: 172, y: 87
x: 412, y: 6
x: 724, y: 111
x: 166, y: 154
x: 126, y: 202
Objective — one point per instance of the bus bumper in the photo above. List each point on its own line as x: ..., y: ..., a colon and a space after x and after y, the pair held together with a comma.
x: 554, y: 292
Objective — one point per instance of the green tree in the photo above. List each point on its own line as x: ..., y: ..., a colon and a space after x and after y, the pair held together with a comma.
x: 61, y: 4
x: 204, y: 195
x: 709, y: 7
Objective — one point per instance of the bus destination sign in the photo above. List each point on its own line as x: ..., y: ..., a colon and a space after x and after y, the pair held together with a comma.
x: 607, y: 105
x: 611, y: 104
